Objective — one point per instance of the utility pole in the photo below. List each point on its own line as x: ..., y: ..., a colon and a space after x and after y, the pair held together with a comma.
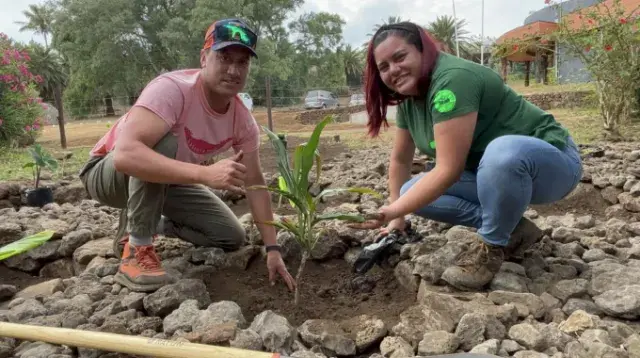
x: 455, y: 23
x: 482, y: 37
x: 268, y: 85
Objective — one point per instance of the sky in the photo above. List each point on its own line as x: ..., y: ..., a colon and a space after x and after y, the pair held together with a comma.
x: 360, y: 15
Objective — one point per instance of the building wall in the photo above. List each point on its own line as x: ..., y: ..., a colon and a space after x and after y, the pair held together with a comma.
x: 549, y: 13
x: 570, y: 69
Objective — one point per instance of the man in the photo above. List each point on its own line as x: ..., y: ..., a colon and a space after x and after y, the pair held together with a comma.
x: 148, y: 164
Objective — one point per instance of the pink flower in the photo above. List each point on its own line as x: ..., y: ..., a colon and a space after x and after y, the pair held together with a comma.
x: 3, y: 36
x: 623, y: 21
x: 24, y: 70
x: 608, y: 47
x: 36, y: 127
x: 547, y: 2
x: 44, y: 105
x: 27, y: 128
x: 39, y: 79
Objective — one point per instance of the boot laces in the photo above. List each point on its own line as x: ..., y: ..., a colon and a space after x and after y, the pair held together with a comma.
x: 147, y: 257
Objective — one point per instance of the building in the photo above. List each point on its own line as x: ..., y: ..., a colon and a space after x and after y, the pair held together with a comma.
x: 551, y: 55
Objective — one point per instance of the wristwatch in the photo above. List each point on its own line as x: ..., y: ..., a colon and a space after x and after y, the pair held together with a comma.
x: 273, y: 248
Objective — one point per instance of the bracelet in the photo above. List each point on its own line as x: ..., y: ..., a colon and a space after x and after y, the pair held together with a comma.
x: 273, y: 248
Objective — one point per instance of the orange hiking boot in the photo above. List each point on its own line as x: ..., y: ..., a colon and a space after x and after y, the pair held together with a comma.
x: 141, y: 270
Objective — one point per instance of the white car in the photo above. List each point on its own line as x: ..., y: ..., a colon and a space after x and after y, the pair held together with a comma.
x: 247, y: 100
x: 356, y: 99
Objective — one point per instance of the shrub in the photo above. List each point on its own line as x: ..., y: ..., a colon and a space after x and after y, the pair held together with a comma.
x: 21, y: 110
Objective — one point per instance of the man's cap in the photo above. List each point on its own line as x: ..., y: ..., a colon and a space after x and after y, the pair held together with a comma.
x: 230, y: 32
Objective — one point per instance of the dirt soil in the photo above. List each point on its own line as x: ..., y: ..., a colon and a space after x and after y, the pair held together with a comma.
x: 329, y: 290
x: 18, y: 278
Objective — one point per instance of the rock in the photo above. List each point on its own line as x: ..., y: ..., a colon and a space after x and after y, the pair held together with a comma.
x: 565, y: 289
x: 85, y: 253
x: 240, y: 258
x: 219, y: 313
x: 507, y: 281
x: 274, y: 330
x: 610, y: 194
x: 586, y: 305
x: 623, y: 302
x: 62, y: 268
x: 9, y: 232
x: 182, y: 318
x: 596, y: 335
x: 396, y: 347
x: 528, y: 336
x: 329, y: 246
x: 610, y: 276
x: 247, y: 339
x: 365, y: 330
x: 417, y: 320
x: 530, y: 354
x: 73, y: 240
x: 438, y: 342
x: 142, y: 324
x: 220, y: 334
x: 526, y: 303
x: 327, y: 334
x: 578, y: 321
x: 87, y: 285
x: 404, y: 274
x: 40, y: 350
x: 167, y: 298
x: 27, y: 309
x: 474, y: 328
x: 69, y: 193
x: 488, y: 347
x: 509, y: 346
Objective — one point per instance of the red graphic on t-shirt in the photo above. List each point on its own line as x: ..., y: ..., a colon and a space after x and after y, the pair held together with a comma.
x: 200, y: 146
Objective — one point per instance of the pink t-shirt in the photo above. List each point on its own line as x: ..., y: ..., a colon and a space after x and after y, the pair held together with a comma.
x: 178, y: 98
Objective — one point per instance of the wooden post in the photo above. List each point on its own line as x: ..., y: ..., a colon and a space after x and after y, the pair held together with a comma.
x: 57, y: 94
x: 527, y: 73
x: 268, y: 85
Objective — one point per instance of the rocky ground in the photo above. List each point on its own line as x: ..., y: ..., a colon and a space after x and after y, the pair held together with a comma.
x: 575, y: 294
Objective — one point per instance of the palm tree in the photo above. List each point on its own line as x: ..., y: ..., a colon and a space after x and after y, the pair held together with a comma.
x: 353, y: 63
x: 39, y: 20
x: 388, y: 21
x: 444, y: 30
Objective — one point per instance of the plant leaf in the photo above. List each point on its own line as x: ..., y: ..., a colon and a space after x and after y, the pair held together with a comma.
x: 358, y: 190
x: 318, y: 166
x: 25, y: 244
x: 29, y: 165
x: 283, y: 186
x: 282, y: 159
x: 284, y: 193
x: 309, y: 152
x: 340, y: 216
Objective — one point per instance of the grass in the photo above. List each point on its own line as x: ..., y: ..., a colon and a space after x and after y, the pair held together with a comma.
x: 535, y: 88
x: 584, y: 124
x: 12, y: 160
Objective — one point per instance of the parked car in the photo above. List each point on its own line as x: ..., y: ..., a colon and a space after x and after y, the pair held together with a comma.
x: 320, y: 99
x: 357, y: 99
x: 247, y: 100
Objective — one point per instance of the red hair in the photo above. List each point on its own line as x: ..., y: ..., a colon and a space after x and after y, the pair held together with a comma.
x: 378, y: 95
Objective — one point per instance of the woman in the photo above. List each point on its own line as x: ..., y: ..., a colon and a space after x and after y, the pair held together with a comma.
x: 495, y: 153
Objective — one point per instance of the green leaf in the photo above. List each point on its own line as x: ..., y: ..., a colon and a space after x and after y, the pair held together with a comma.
x: 29, y: 165
x: 25, y: 244
x: 358, y: 190
x: 309, y: 151
x: 318, y: 166
x: 284, y: 193
x: 282, y: 159
x: 339, y: 216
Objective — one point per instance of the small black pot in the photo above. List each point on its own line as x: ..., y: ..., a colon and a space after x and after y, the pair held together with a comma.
x: 39, y: 197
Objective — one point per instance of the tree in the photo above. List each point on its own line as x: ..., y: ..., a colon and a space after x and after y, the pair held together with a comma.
x: 39, y: 20
x: 443, y: 29
x: 353, y: 64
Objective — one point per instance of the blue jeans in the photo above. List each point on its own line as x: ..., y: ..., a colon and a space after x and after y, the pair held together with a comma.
x: 514, y: 171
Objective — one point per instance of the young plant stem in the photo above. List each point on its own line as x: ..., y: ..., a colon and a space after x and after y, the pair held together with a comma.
x: 303, y: 261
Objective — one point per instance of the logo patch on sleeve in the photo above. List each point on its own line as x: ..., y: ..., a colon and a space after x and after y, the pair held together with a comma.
x: 444, y: 101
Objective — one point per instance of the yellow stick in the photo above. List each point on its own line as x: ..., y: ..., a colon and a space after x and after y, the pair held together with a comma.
x: 122, y: 343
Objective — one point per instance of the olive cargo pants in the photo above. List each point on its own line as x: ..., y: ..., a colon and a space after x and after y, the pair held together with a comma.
x: 194, y: 213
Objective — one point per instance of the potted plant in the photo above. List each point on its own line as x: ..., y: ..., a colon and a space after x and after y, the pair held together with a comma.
x: 39, y: 196
x: 293, y: 185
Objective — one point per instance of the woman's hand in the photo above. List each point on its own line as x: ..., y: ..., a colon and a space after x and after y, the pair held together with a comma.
x: 395, y: 224
x: 385, y: 214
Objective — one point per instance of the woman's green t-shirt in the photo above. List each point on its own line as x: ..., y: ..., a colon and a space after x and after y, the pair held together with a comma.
x: 459, y: 87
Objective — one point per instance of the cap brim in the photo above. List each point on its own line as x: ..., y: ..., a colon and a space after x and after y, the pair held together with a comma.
x: 221, y: 45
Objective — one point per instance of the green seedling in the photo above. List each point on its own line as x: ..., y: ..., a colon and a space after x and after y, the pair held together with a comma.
x: 294, y: 186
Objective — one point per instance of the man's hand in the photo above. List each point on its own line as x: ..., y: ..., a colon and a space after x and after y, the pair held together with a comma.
x: 276, y: 265
x: 227, y: 174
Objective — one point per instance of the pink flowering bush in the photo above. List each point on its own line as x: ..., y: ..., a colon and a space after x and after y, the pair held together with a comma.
x: 21, y: 111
